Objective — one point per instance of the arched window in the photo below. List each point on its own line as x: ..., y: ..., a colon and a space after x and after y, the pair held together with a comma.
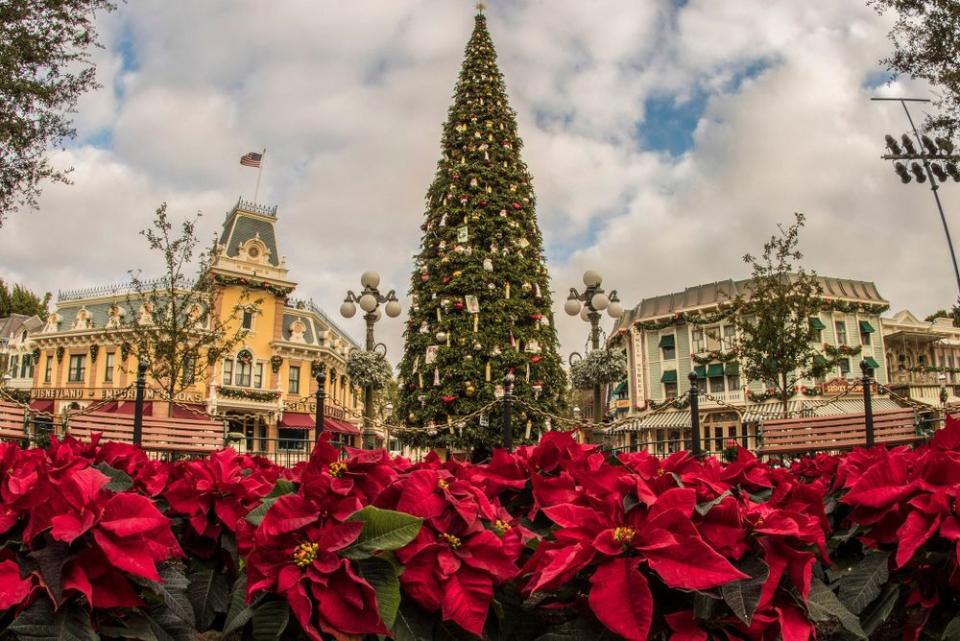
x: 243, y: 370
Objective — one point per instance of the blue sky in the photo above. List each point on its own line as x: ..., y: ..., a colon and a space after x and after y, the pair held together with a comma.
x: 666, y: 139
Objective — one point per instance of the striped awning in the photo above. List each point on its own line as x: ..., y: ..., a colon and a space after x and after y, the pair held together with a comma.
x: 666, y: 418
x: 855, y: 406
x: 764, y: 411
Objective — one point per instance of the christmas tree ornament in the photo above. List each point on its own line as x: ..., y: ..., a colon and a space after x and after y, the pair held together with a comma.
x: 537, y: 387
x: 486, y: 372
x: 488, y: 264
x: 441, y: 336
x: 526, y: 432
x: 469, y: 389
x: 506, y: 290
x: 477, y: 346
x: 436, y: 377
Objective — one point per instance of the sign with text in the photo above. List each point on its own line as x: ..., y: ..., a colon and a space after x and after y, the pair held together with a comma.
x: 108, y: 393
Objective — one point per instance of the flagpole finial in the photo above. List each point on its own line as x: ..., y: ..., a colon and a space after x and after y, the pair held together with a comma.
x: 480, y: 7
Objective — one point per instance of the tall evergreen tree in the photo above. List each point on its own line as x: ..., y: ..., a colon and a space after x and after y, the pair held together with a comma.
x: 481, y: 298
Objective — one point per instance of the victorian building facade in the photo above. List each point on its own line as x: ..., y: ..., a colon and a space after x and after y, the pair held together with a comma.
x: 17, y: 357
x: 924, y: 358
x: 669, y: 336
x: 265, y: 388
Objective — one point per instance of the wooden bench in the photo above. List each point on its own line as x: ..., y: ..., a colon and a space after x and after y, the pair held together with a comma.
x: 189, y: 436
x: 12, y: 422
x: 840, y: 432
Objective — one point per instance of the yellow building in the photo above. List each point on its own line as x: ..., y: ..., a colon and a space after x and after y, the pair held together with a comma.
x: 265, y: 388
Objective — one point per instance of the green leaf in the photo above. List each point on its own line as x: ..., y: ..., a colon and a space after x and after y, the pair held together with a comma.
x: 823, y: 605
x: 580, y: 629
x: 120, y: 481
x: 383, y: 577
x: 209, y: 595
x: 255, y: 516
x: 50, y: 560
x: 239, y: 613
x: 862, y: 584
x: 874, y: 616
x: 270, y: 620
x: 132, y: 626
x: 167, y: 625
x: 172, y: 589
x: 704, y: 605
x: 283, y: 486
x: 952, y: 631
x: 40, y: 623
x: 703, y: 508
x: 743, y: 596
x: 382, y: 530
x: 412, y: 624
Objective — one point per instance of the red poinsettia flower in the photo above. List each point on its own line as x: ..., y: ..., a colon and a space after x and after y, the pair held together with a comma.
x: 15, y: 590
x: 295, y: 556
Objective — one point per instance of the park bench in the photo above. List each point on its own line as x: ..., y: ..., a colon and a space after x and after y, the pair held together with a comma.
x: 12, y: 421
x: 167, y: 435
x: 835, y: 433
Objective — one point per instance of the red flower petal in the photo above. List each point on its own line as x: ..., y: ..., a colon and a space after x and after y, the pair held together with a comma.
x: 620, y: 597
x: 13, y: 589
x: 915, y: 531
x: 466, y: 599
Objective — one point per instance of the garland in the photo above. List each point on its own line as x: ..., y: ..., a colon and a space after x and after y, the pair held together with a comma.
x: 715, y: 355
x: 60, y: 352
x: 124, y: 351
x: 841, y: 350
x: 244, y: 356
x: 724, y: 312
x: 228, y: 281
x: 275, y: 362
x: 682, y: 402
x: 847, y: 307
x: 94, y: 352
x: 931, y: 368
x: 315, y: 368
x: 249, y: 395
x: 36, y: 355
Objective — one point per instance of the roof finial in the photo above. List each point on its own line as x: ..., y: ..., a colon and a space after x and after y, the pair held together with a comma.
x: 481, y: 7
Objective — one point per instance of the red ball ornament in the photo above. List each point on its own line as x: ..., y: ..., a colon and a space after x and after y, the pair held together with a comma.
x: 536, y: 317
x: 458, y: 305
x: 516, y: 205
x: 424, y: 277
x: 536, y: 358
x: 448, y: 398
x: 446, y: 279
x: 482, y: 203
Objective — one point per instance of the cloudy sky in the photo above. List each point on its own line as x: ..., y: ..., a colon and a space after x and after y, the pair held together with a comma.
x: 666, y: 139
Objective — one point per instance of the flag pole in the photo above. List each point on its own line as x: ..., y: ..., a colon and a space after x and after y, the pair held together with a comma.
x: 263, y: 159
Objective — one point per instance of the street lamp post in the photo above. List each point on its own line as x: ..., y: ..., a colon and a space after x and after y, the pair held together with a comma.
x: 929, y: 159
x: 369, y: 301
x: 589, y: 304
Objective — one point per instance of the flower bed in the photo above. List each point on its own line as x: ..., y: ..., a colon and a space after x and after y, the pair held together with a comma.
x: 551, y: 542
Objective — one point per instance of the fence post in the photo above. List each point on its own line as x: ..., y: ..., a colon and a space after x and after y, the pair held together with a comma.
x: 507, y: 411
x: 321, y: 402
x: 867, y: 403
x: 138, y: 403
x: 695, y: 414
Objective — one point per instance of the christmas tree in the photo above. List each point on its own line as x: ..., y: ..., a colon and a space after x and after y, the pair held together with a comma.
x: 481, y: 302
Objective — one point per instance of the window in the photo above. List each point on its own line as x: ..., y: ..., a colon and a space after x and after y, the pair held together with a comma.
x: 844, y: 366
x: 228, y: 372
x: 78, y: 368
x: 841, y: 328
x: 108, y: 368
x: 291, y: 439
x: 713, y: 338
x: 243, y: 374
x: 293, y: 385
x: 698, y: 341
x: 258, y: 375
x: 26, y: 367
x: 729, y: 337
x: 668, y: 346
x: 14, y: 364
x: 670, y: 390
x: 864, y: 339
x: 48, y: 370
x: 247, y: 321
x: 733, y: 382
x: 716, y: 384
x: 816, y: 329
x: 188, y: 373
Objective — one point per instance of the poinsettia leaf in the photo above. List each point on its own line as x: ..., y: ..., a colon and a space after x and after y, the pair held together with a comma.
x: 874, y: 616
x: 172, y: 589
x: 823, y: 605
x: 209, y: 595
x: 862, y: 584
x: 120, y: 481
x: 40, y: 623
x: 952, y: 631
x: 704, y: 508
x: 743, y: 596
x: 132, y: 626
x: 50, y: 560
x: 705, y: 605
x: 255, y: 516
x: 167, y: 625
x: 385, y: 581
x: 283, y: 486
x: 580, y: 629
x: 270, y: 620
x: 382, y: 530
x: 412, y: 624
x: 239, y: 612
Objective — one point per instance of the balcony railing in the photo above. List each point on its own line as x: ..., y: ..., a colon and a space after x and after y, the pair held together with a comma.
x: 921, y: 378
x: 733, y: 396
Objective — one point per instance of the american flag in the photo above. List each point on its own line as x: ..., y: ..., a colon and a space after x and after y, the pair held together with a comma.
x: 251, y: 159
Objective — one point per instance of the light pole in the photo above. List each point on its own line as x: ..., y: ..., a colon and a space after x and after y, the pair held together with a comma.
x: 388, y: 410
x: 929, y: 160
x: 370, y: 300
x: 589, y: 306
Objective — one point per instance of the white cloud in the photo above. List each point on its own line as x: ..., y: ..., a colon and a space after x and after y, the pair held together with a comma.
x: 349, y: 99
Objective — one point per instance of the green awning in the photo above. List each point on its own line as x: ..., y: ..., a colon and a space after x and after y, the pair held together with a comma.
x: 715, y: 369
x: 668, y: 340
x: 816, y: 324
x: 866, y: 328
x: 669, y: 376
x: 700, y: 371
x: 732, y: 368
x: 871, y: 363
x: 621, y: 388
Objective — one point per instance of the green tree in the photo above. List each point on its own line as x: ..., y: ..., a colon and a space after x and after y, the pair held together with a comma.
x: 953, y: 314
x: 776, y: 341
x: 44, y: 68
x: 926, y: 45
x: 22, y: 301
x: 174, y: 323
x: 480, y: 265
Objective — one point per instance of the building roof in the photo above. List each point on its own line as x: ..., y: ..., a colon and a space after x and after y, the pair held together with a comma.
x: 726, y: 291
x: 249, y: 220
x: 10, y: 325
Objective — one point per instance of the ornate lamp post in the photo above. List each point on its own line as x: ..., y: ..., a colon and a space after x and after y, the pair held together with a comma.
x: 589, y: 306
x: 370, y: 300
